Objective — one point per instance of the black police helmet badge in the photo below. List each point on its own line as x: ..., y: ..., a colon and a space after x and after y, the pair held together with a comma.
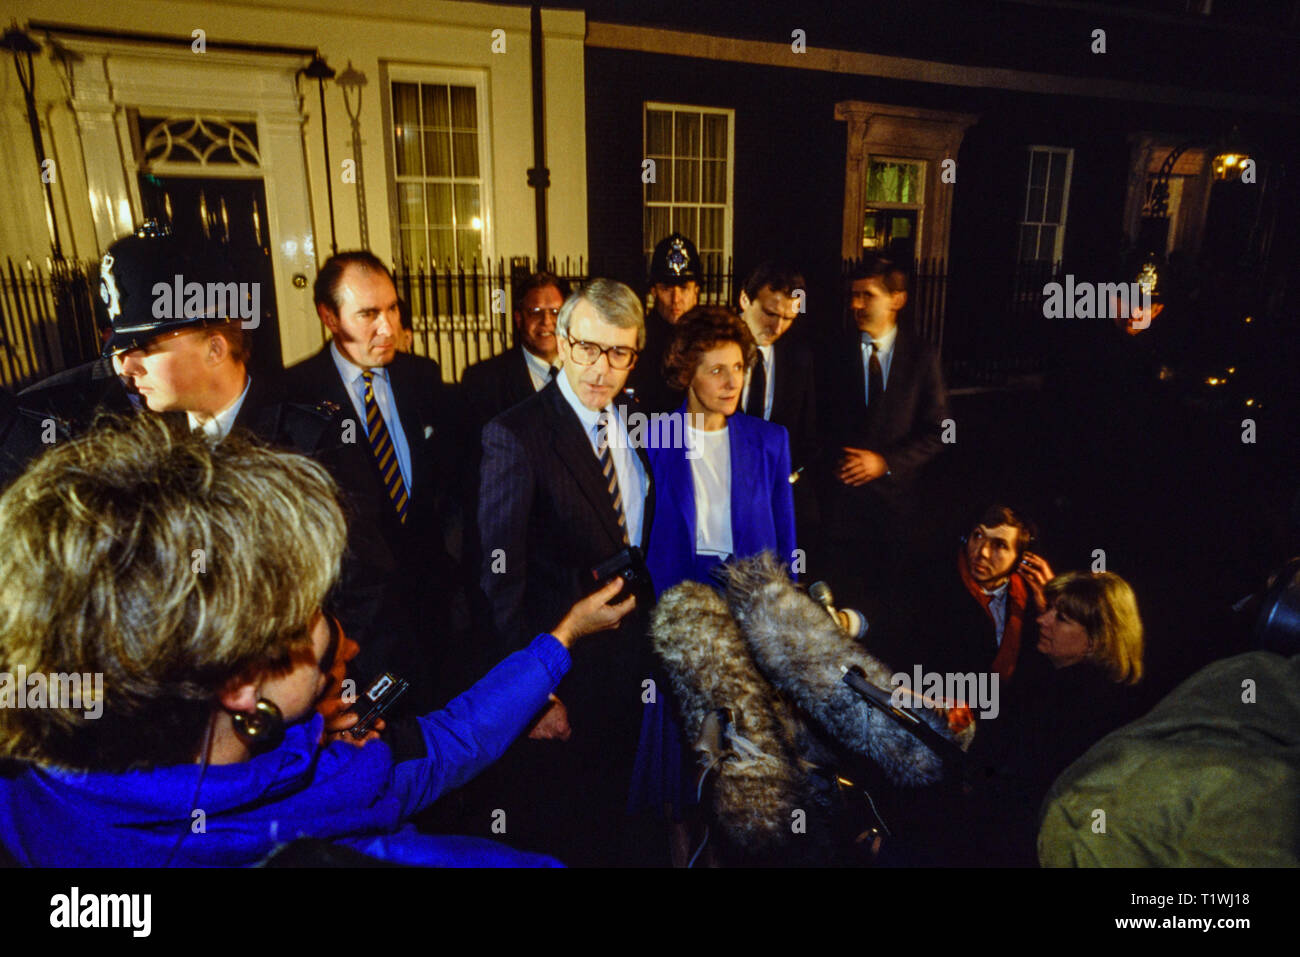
x: 675, y: 261
x: 152, y: 282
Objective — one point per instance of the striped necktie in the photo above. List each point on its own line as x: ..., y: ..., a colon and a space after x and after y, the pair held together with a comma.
x: 381, y: 444
x: 607, y: 468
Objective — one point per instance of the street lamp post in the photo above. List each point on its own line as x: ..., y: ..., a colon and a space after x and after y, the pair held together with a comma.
x: 22, y: 47
x: 320, y: 71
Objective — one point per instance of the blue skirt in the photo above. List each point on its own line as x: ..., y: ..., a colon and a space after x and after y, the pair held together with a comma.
x: 664, y: 776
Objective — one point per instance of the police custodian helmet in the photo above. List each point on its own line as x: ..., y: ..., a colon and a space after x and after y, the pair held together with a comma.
x: 675, y: 261
x: 151, y: 282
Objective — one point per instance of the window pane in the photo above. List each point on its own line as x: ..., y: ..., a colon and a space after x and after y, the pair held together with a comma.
x: 1035, y: 207
x: 1047, y: 243
x: 413, y: 248
x: 685, y: 221
x: 686, y: 139
x: 470, y: 245
x: 441, y: 246
x: 464, y: 108
x: 912, y: 183
x: 439, y: 197
x: 893, y: 182
x: 881, y: 183
x: 437, y: 154
x: 658, y: 224
x: 711, y: 221
x: 715, y: 136
x: 1028, y: 243
x: 1056, y: 171
x: 436, y: 113
x: 410, y: 204
x: 466, y: 153
x: 467, y: 208
x: 406, y: 149
x: 1038, y: 168
x: 658, y: 132
x: 406, y: 104
x: 686, y: 181
x: 714, y: 187
x: 661, y: 190
x: 1052, y: 206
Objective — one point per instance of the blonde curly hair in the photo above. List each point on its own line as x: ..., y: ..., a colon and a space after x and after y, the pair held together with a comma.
x: 165, y: 563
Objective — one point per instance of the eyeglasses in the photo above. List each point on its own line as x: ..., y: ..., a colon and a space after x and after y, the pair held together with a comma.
x: 536, y: 312
x: 586, y: 353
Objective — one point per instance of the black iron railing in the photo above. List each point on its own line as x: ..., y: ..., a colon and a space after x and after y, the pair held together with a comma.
x: 47, y: 319
x: 462, y: 314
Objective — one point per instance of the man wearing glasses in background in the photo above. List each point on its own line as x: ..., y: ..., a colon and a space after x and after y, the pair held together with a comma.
x: 561, y: 493
x: 494, y: 385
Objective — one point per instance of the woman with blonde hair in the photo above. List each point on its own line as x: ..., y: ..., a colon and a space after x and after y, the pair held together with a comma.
x: 181, y: 585
x: 1092, y: 618
x: 1074, y: 691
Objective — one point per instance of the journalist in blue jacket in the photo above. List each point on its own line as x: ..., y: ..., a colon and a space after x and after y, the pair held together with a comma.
x: 181, y: 585
x: 724, y: 493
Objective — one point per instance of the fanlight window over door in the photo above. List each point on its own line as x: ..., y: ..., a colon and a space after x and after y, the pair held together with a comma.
x: 201, y: 141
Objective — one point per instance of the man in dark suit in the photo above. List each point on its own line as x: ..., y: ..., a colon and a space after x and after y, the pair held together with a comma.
x: 781, y: 386
x: 494, y: 385
x: 189, y: 366
x: 562, y: 492
x: 883, y: 414
x: 405, y: 421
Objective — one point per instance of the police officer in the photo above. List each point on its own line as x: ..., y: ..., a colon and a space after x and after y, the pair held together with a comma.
x: 177, y: 346
x: 675, y: 272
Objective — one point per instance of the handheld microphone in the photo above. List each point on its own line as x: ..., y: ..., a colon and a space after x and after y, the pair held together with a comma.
x: 852, y: 622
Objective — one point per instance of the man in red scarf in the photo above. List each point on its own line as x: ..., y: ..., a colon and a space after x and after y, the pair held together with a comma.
x: 981, y: 618
x: 1005, y: 581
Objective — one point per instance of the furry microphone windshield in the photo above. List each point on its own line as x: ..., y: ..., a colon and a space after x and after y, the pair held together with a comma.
x: 802, y: 651
x: 751, y: 680
x: 759, y: 783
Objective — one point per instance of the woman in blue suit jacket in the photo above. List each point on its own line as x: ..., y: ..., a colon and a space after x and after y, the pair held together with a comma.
x: 723, y: 492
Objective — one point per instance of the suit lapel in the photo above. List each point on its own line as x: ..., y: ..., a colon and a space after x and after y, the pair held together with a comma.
x: 746, y: 469
x: 410, y: 411
x: 575, y: 451
x: 900, y: 374
x: 520, y: 382
x: 325, y: 372
x: 679, y: 486
x: 780, y: 378
x: 648, y: 510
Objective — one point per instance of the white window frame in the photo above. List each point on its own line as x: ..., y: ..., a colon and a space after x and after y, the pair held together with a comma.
x: 918, y: 206
x: 1058, y: 248
x: 391, y: 73
x: 730, y: 205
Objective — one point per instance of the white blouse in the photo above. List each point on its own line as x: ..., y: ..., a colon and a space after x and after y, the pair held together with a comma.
x: 711, y: 470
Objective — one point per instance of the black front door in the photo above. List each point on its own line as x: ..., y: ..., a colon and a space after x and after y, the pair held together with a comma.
x: 232, y: 212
